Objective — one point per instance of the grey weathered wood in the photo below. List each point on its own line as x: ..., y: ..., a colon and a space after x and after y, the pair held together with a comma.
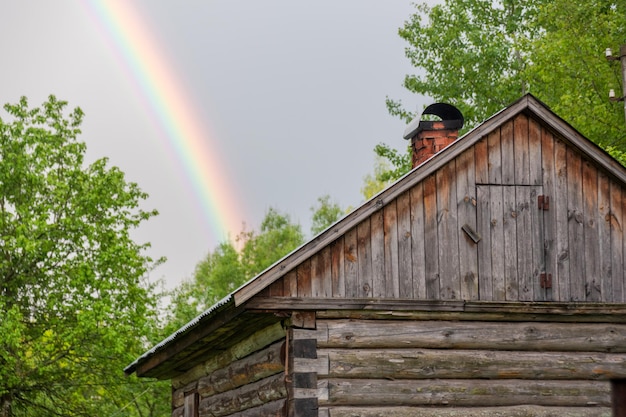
x: 252, y: 368
x: 507, y: 149
x: 252, y: 395
x: 392, y: 277
x: 509, y: 221
x: 350, y: 264
x: 576, y: 220
x: 447, y: 233
x: 290, y: 284
x: 484, y: 247
x: 538, y: 242
x: 466, y: 213
x: 497, y: 225
x: 513, y: 411
x: 431, y: 241
x: 474, y: 392
x: 433, y: 364
x: 591, y: 224
x: 337, y: 268
x: 380, y: 334
x: 561, y: 288
x: 271, y: 409
x: 617, y: 242
x: 405, y: 265
x: 535, y: 152
x: 549, y: 216
x: 257, y: 341
x: 378, y: 254
x: 495, y: 159
x: 417, y: 242
x: 520, y: 149
x: 190, y: 409
x: 178, y: 412
x: 482, y: 161
x: 303, y: 275
x: 524, y: 236
x: 321, y: 281
x: 364, y: 259
x: 604, y: 237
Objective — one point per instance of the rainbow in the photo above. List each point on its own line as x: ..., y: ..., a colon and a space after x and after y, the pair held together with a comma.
x: 188, y: 138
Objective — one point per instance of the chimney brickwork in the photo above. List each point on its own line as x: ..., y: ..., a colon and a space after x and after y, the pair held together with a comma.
x: 429, y: 142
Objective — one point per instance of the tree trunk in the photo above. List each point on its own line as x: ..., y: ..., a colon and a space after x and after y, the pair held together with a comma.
x: 5, y: 405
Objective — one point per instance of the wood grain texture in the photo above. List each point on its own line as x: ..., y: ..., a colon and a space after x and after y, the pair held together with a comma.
x: 466, y: 215
x: 513, y: 411
x: 417, y: 242
x: 321, y: 280
x: 364, y: 259
x: 378, y: 254
x: 494, y: 155
x: 591, y: 224
x: 521, y: 150
x: 350, y: 264
x: 303, y: 275
x: 576, y: 221
x: 338, y: 275
x: 603, y: 219
x: 549, y: 216
x: 618, y: 243
x: 561, y: 280
x: 447, y: 233
x: 405, y: 263
x: 431, y: 240
x: 484, y: 247
x: 509, y: 221
x: 392, y: 275
x: 507, y: 150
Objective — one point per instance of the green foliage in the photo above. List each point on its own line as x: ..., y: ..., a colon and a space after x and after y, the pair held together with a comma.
x: 482, y: 55
x: 325, y: 214
x: 227, y: 268
x: 74, y: 305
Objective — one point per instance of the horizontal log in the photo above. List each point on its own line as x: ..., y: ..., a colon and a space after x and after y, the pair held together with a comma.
x: 273, y: 409
x: 252, y: 368
x: 584, y: 337
x: 468, y: 364
x: 255, y: 342
x: 472, y: 310
x: 252, y: 395
x: 465, y: 393
x: 515, y: 411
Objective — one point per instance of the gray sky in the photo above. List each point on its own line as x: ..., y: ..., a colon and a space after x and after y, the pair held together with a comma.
x: 293, y: 93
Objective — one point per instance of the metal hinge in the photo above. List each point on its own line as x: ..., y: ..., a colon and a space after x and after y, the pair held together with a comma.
x: 543, y: 202
x: 545, y: 280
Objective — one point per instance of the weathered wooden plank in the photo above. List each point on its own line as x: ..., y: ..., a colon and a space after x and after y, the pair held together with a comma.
x: 617, y: 242
x: 392, y: 276
x: 432, y: 364
x: 473, y: 392
x: 447, y: 233
x: 390, y: 334
x: 190, y: 408
x: 252, y: 368
x: 537, y: 243
x: 507, y: 150
x: 549, y: 216
x: 378, y: 254
x: 513, y: 411
x: 321, y: 284
x: 417, y: 242
x: 337, y: 268
x: 482, y: 160
x: 525, y: 241
x: 290, y: 284
x: 483, y: 225
x: 495, y: 158
x: 510, y: 244
x: 257, y: 341
x: 271, y: 409
x: 303, y: 275
x: 576, y: 221
x: 405, y: 265
x: 364, y: 259
x: 431, y: 248
x: 591, y: 248
x: 603, y: 221
x: 350, y: 264
x: 521, y: 150
x: 252, y: 395
x: 466, y: 214
x: 497, y: 224
x: 561, y: 289
x: 535, y: 156
x: 276, y: 289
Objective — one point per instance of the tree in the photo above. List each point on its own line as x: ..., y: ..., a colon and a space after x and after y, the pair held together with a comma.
x: 226, y: 268
x: 74, y: 303
x: 481, y: 55
x: 325, y: 214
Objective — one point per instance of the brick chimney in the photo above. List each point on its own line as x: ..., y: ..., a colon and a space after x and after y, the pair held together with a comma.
x: 428, y: 137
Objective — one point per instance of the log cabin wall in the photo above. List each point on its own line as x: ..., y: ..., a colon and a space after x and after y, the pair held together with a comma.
x: 402, y: 368
x: 246, y: 380
x: 477, y: 230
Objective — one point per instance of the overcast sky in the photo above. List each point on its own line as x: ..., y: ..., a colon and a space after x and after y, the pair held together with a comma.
x: 293, y: 93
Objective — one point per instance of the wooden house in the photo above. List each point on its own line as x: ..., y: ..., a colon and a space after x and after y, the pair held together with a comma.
x: 488, y: 281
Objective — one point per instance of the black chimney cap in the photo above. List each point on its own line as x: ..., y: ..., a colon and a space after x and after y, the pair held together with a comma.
x: 449, y: 115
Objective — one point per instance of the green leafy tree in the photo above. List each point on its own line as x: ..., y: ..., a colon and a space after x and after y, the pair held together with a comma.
x: 481, y: 55
x: 74, y: 304
x: 325, y: 214
x: 226, y: 268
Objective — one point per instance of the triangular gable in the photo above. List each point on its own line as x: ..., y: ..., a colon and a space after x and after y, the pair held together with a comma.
x: 527, y: 105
